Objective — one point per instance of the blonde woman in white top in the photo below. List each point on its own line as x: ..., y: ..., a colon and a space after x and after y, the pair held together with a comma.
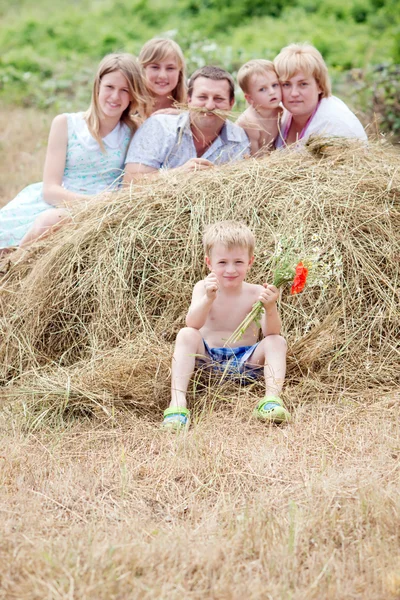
x: 309, y: 105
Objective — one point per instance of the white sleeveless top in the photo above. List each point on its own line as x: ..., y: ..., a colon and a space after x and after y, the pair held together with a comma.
x: 88, y: 170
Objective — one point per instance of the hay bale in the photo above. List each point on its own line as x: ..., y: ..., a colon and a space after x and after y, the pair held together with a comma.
x: 123, y: 272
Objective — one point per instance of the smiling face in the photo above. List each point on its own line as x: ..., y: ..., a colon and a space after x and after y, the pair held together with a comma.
x: 300, y: 94
x: 264, y: 90
x: 114, y: 95
x: 229, y: 264
x: 162, y: 76
x: 210, y: 94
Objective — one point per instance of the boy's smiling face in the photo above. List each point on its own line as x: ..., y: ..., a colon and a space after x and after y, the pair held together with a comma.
x: 229, y: 264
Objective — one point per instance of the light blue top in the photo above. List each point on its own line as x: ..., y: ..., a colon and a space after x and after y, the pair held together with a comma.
x: 88, y: 170
x: 166, y: 141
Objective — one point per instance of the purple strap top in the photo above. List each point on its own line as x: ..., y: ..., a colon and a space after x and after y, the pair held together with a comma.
x: 281, y: 140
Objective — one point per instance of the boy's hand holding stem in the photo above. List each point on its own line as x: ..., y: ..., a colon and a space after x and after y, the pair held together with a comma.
x: 285, y: 273
x: 267, y: 301
x: 268, y: 298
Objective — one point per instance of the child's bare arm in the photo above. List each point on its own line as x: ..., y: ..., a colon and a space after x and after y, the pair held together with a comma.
x: 204, y: 294
x: 271, y: 322
x: 252, y: 131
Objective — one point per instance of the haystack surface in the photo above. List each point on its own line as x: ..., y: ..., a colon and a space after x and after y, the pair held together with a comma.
x: 88, y: 317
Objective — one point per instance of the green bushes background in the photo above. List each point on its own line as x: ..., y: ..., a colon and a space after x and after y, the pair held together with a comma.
x: 49, y: 50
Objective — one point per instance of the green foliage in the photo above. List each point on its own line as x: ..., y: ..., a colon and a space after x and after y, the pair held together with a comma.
x: 229, y: 13
x: 380, y: 93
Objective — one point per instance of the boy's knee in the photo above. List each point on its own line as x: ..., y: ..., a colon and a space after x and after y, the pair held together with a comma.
x: 188, y: 335
x: 276, y: 341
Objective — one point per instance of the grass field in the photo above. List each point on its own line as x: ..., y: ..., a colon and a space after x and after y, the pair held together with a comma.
x: 232, y: 509
x: 23, y: 141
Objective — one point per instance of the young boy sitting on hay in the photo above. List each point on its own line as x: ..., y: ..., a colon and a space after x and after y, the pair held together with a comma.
x: 219, y: 304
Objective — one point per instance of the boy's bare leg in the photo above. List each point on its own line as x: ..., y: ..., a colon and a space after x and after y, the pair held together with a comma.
x: 271, y: 352
x: 189, y: 343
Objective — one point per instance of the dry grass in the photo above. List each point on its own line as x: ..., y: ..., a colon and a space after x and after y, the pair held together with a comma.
x: 113, y: 287
x: 23, y: 140
x: 98, y: 503
x: 230, y: 510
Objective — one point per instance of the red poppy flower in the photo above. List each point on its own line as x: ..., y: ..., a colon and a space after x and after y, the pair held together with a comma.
x: 300, y: 279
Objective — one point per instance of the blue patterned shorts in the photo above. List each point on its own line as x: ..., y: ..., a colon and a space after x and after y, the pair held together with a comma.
x: 232, y: 362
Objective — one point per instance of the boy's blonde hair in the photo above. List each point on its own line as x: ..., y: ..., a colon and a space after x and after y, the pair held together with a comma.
x: 159, y: 49
x: 229, y: 234
x: 129, y: 66
x: 258, y: 66
x: 305, y: 58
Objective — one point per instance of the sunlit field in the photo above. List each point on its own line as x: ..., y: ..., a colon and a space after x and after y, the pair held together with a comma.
x: 108, y: 506
x: 23, y: 140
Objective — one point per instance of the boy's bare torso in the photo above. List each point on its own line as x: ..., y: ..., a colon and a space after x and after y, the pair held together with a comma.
x: 227, y: 312
x: 261, y: 130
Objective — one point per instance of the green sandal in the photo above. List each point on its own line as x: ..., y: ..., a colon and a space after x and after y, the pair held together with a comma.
x: 176, y: 419
x: 271, y: 409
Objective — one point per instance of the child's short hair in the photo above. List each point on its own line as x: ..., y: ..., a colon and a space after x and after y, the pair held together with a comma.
x: 305, y: 58
x: 159, y: 49
x: 258, y: 66
x: 229, y: 234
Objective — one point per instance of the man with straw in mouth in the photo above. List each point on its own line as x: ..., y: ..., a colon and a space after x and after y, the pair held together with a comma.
x: 191, y: 140
x: 219, y: 304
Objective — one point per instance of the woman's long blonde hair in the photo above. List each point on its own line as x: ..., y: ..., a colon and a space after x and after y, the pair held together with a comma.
x: 159, y: 49
x: 129, y: 66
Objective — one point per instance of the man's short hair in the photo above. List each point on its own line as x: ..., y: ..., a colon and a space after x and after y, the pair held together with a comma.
x: 229, y: 234
x: 215, y: 73
x: 257, y: 66
x: 303, y: 58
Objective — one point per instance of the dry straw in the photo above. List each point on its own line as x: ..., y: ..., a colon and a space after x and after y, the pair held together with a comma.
x: 88, y: 318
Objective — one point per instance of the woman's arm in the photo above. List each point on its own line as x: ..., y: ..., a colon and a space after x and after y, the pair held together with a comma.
x: 54, y: 166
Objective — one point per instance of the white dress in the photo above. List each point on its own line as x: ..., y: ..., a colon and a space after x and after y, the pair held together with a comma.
x: 332, y: 117
x: 88, y: 170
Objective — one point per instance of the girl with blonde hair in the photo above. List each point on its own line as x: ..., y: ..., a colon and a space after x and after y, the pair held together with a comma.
x: 309, y: 105
x: 85, y: 153
x: 164, y: 68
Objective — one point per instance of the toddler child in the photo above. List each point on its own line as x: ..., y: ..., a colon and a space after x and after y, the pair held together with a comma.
x: 262, y: 90
x: 219, y: 304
